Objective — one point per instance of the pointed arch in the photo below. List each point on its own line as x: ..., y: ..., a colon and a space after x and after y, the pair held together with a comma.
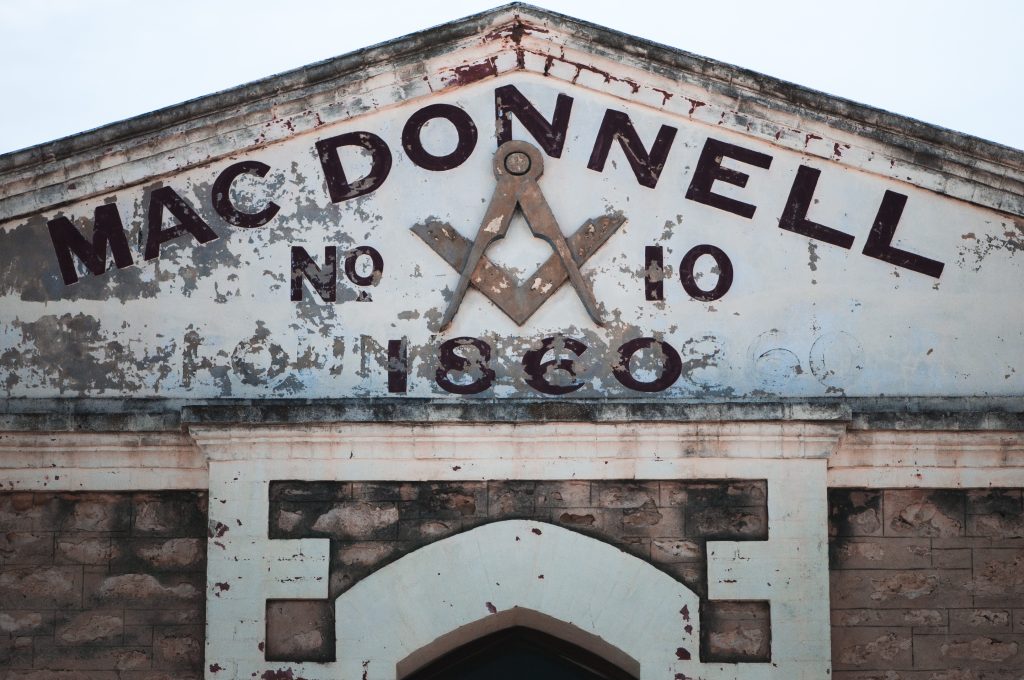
x: 412, y: 611
x: 516, y: 617
x: 520, y: 652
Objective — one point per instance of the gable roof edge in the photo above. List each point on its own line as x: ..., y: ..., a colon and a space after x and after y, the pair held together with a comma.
x: 947, y: 152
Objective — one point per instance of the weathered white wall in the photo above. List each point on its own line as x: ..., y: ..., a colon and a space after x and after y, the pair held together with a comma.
x: 790, y: 569
x: 803, y: 318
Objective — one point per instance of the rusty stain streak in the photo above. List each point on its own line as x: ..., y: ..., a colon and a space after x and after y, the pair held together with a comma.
x: 217, y: 529
x: 808, y: 137
x: 665, y: 95
x: 548, y: 61
x: 471, y: 73
x: 694, y: 105
x: 514, y: 32
x: 280, y: 674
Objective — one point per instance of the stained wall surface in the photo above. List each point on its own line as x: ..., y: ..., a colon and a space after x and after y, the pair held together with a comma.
x: 263, y: 351
x: 926, y: 584
x: 102, y: 586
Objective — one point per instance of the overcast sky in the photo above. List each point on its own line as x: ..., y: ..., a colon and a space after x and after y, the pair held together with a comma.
x: 72, y: 65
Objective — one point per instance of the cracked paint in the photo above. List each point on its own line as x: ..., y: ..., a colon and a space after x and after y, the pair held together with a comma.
x: 214, y: 319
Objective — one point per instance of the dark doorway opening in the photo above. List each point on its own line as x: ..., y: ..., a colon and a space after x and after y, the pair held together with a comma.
x: 517, y: 654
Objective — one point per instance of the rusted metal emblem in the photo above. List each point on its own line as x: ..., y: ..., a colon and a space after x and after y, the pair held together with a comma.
x: 517, y: 166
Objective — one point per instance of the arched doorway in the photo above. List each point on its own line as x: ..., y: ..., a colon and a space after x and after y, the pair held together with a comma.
x: 520, y: 652
x: 511, y: 574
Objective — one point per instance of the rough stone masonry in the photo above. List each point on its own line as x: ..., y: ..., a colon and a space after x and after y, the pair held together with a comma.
x: 102, y: 586
x: 926, y: 584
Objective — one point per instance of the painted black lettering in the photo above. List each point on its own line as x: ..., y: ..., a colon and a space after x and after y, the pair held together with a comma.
x: 222, y: 196
x: 709, y: 169
x: 508, y: 100
x: 671, y: 369
x: 654, y: 273
x: 879, y: 243
x: 324, y: 281
x: 722, y: 262
x: 537, y: 369
x: 647, y: 166
x: 451, y: 362
x: 189, y: 221
x: 794, y: 216
x: 398, y: 365
x: 352, y: 259
x: 107, y: 231
x: 338, y: 186
x: 464, y: 127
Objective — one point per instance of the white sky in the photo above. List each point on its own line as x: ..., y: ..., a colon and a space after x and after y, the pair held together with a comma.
x: 71, y: 65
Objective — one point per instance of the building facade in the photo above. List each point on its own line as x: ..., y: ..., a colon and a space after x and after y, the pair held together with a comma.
x: 518, y: 338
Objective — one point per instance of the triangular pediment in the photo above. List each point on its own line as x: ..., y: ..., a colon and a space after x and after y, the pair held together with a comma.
x: 713, y: 234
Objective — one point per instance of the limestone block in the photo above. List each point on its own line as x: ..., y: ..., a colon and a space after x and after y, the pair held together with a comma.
x: 49, y: 587
x: 872, y: 648
x: 924, y: 512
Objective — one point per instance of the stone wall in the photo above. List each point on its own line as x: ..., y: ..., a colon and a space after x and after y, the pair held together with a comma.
x: 927, y: 584
x: 666, y: 523
x: 102, y: 586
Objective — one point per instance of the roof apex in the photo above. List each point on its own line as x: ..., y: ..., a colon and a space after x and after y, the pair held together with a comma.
x: 992, y: 173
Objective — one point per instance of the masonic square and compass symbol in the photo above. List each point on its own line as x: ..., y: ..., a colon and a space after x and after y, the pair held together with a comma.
x: 517, y: 166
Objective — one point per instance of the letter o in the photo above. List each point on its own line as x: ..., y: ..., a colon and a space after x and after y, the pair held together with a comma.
x: 724, y: 273
x: 373, y: 278
x: 464, y: 127
x: 671, y: 369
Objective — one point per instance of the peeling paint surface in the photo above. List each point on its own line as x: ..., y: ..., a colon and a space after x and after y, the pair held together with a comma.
x: 801, y: 317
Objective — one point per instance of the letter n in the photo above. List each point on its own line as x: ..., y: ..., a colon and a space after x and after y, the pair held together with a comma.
x: 647, y: 166
x: 324, y: 281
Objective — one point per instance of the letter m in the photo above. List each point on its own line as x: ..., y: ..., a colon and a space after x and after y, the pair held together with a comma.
x: 107, y: 232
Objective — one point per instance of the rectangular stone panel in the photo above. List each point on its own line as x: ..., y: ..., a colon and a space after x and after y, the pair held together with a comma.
x: 999, y: 577
x: 924, y: 512
x: 891, y: 618
x: 880, y: 553
x: 872, y: 648
x: 969, y: 651
x: 901, y: 589
x: 980, y: 621
x: 855, y: 512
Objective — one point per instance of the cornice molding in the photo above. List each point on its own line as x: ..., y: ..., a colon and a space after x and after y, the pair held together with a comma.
x: 509, y: 39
